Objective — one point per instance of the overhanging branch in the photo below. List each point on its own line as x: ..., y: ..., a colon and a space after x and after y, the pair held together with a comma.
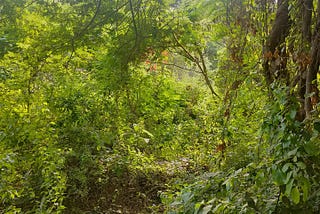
x: 200, y: 62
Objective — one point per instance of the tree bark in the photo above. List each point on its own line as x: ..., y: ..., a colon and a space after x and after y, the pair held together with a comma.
x: 312, y: 92
x: 307, y: 8
x: 304, y: 55
x: 275, y: 56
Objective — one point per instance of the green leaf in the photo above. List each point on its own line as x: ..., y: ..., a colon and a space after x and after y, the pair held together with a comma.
x: 310, y: 148
x: 305, y: 188
x: 206, y: 209
x: 286, y: 167
x: 301, y: 165
x: 219, y: 208
x: 136, y: 127
x: 292, y: 152
x: 289, y: 188
x: 293, y: 114
x: 295, y: 159
x: 147, y: 132
x: 197, y: 207
x: 316, y: 125
x: 279, y: 177
x: 295, y: 195
x: 186, y: 196
x: 289, y: 174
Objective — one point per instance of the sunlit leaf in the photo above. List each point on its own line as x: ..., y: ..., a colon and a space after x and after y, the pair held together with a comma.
x: 295, y: 195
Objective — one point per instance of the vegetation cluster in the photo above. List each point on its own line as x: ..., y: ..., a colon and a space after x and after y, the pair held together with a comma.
x: 162, y: 106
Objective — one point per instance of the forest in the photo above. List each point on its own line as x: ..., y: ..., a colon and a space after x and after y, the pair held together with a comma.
x: 159, y: 106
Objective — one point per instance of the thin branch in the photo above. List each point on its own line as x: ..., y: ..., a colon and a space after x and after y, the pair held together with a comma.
x: 102, y: 22
x: 205, y: 74
x: 175, y: 65
x: 82, y: 32
x: 28, y: 5
x: 189, y: 56
x: 134, y: 22
x: 204, y: 67
x: 201, y: 65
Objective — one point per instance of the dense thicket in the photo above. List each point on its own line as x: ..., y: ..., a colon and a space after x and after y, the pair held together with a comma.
x: 169, y: 106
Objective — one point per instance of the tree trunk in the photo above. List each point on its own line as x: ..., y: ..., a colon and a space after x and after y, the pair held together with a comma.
x: 303, y: 57
x: 312, y: 92
x: 275, y: 56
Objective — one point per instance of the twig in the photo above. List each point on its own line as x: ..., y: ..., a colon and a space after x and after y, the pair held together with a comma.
x: 82, y: 32
x: 175, y: 65
x: 134, y: 23
x: 201, y: 65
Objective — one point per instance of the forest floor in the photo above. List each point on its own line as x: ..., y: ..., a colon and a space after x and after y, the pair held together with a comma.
x: 138, y: 192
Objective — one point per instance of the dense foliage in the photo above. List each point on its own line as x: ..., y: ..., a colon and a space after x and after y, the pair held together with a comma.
x: 168, y: 106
